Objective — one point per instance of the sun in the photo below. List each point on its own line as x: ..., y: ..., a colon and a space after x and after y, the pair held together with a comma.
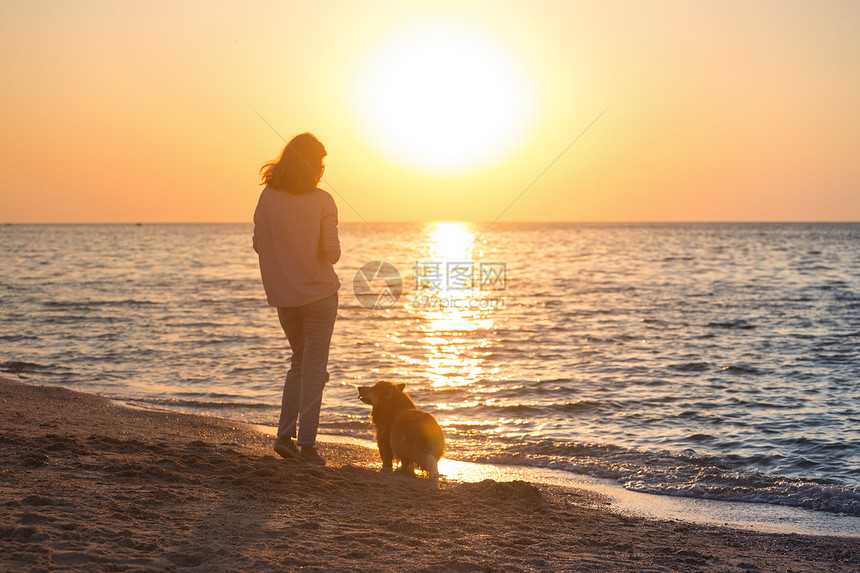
x: 444, y: 98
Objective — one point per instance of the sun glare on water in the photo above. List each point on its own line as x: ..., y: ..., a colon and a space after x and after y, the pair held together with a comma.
x: 443, y: 98
x: 452, y: 327
x: 450, y: 241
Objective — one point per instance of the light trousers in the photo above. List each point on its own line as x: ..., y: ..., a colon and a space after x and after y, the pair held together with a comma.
x: 308, y: 329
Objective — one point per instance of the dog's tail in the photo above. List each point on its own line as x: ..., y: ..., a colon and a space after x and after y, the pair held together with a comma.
x: 431, y: 465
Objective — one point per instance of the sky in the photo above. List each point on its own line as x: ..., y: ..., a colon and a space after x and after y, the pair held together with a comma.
x: 525, y: 111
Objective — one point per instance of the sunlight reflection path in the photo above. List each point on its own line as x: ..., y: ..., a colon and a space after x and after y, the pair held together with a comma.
x: 454, y: 331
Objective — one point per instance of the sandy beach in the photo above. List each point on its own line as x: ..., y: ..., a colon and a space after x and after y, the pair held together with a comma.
x: 88, y: 485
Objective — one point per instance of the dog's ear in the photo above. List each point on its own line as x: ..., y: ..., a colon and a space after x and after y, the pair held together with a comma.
x: 400, y: 387
x: 383, y: 389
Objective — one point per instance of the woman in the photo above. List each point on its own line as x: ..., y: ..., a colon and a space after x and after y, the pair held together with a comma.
x: 295, y: 236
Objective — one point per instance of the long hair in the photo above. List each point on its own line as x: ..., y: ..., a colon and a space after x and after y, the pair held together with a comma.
x: 299, y: 168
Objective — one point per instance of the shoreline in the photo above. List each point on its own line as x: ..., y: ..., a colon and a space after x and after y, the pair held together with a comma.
x: 758, y: 517
x: 91, y: 485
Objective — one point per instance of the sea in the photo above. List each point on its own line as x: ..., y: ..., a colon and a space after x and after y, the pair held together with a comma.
x: 705, y: 360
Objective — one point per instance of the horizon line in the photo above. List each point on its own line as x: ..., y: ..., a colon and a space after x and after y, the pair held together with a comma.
x: 475, y: 222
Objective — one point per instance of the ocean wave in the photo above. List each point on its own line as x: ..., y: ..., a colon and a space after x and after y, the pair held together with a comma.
x: 684, y: 475
x: 732, y: 325
x: 806, y: 495
x: 579, y: 406
x: 19, y: 367
x: 17, y: 337
x: 740, y: 369
x: 94, y: 304
x: 485, y: 390
x: 490, y: 410
x: 690, y: 366
x: 202, y: 404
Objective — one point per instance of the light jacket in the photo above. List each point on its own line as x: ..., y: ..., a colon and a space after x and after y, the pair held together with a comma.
x: 295, y: 236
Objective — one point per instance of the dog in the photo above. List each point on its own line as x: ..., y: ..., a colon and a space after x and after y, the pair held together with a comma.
x: 403, y: 432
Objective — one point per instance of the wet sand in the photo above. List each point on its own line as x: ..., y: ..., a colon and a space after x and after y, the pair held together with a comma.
x: 88, y: 485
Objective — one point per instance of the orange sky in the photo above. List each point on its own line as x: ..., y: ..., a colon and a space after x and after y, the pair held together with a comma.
x: 150, y: 111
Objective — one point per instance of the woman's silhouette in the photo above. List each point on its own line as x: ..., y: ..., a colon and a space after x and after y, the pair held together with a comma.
x: 295, y: 236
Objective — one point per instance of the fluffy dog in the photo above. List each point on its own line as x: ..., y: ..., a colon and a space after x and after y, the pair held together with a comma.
x: 403, y: 431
